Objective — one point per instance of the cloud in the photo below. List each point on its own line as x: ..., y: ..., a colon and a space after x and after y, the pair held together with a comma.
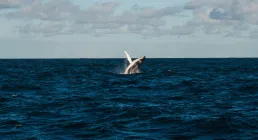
x: 183, y: 30
x: 45, y: 29
x: 253, y: 34
x: 226, y: 17
x: 54, y: 10
x: 238, y: 10
x: 197, y: 4
x: 7, y: 4
x: 231, y: 18
x: 218, y: 14
x: 98, y: 18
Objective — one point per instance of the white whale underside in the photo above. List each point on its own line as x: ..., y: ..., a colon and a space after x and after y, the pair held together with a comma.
x: 133, y: 66
x: 132, y: 69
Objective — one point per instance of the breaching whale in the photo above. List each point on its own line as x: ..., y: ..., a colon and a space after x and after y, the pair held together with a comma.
x: 134, y: 66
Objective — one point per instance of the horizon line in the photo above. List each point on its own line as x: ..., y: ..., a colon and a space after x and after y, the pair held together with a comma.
x: 124, y: 58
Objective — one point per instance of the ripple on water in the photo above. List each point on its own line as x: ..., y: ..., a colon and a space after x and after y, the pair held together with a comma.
x: 170, y: 99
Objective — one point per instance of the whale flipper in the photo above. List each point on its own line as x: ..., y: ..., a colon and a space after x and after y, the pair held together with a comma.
x: 128, y: 57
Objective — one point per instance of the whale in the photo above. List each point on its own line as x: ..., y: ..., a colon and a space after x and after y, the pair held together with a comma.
x: 134, y: 66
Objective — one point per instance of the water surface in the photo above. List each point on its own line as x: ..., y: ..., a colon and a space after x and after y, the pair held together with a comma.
x: 88, y: 99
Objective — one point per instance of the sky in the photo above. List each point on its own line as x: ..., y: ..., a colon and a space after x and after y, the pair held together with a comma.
x: 105, y: 28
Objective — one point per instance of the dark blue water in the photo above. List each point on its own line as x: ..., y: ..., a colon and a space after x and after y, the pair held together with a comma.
x: 88, y: 99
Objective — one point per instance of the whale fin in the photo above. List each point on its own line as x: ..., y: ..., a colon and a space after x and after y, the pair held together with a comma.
x: 128, y: 57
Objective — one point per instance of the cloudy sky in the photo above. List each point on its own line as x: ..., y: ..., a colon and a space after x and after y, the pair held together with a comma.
x: 105, y: 28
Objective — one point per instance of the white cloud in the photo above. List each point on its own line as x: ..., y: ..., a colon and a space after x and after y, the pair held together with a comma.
x: 7, y: 4
x: 96, y: 17
x: 226, y: 17
x: 209, y: 16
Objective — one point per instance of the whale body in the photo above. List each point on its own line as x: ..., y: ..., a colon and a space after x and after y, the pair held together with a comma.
x: 134, y: 66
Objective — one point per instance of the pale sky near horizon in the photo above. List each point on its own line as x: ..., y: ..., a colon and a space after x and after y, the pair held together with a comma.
x: 105, y: 28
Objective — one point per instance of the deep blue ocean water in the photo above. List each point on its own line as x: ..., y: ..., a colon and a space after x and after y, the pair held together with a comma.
x: 74, y: 99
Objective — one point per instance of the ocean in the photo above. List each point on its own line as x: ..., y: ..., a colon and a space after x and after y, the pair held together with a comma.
x: 77, y: 99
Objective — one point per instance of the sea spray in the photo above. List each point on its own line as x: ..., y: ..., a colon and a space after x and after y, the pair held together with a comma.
x: 121, y: 68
